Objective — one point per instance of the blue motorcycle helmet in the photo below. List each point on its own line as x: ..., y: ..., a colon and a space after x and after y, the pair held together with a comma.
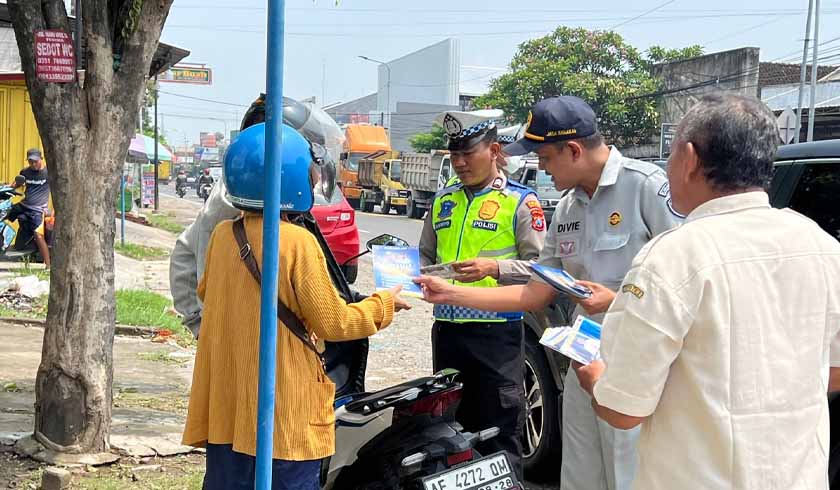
x: 303, y: 170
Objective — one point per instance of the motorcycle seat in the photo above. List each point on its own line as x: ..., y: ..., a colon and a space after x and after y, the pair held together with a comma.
x: 372, y: 402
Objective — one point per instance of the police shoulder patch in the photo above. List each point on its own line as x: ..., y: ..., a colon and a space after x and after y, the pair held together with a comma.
x: 446, y: 209
x: 537, y: 219
x: 634, y: 290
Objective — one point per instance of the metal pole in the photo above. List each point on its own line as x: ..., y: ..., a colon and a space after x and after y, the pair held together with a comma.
x: 814, y: 69
x: 77, y: 12
x: 388, y: 91
x: 803, y: 70
x: 122, y: 206
x: 271, y: 244
x: 157, y: 195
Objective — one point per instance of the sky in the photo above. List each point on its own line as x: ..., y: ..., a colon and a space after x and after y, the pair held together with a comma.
x: 323, y: 42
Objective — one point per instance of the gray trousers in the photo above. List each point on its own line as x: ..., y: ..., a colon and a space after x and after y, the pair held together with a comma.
x: 596, y: 456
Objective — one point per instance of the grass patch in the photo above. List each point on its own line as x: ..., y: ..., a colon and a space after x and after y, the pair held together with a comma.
x: 161, y: 356
x: 165, y: 222
x: 140, y: 252
x: 181, y: 477
x: 176, y: 403
x: 148, y: 309
x: 38, y: 310
x: 41, y: 274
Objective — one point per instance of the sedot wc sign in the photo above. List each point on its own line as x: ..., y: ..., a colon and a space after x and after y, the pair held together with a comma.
x: 55, y: 60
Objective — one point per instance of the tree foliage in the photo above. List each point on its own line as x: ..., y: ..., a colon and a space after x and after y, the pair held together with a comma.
x: 426, y: 142
x: 598, y: 66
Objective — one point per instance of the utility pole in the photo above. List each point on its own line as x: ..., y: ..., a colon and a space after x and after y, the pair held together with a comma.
x: 77, y: 12
x: 323, y: 82
x: 803, y: 71
x: 814, y: 69
x: 157, y: 191
x: 387, y: 87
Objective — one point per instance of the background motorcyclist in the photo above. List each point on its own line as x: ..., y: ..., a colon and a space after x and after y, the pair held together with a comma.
x: 181, y: 182
x: 204, y: 180
x: 29, y: 213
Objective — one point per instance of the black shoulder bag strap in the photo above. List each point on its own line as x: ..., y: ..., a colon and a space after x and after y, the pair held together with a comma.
x: 286, y: 316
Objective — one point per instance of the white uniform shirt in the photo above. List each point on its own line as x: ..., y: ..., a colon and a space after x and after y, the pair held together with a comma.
x: 722, y: 335
x: 596, y: 239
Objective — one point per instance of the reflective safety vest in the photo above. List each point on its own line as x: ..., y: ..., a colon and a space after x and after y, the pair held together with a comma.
x: 482, y: 227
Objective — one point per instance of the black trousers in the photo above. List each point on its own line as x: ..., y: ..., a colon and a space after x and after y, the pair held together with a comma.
x: 28, y: 221
x: 490, y: 359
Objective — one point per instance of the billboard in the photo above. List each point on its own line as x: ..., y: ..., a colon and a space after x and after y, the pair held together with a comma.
x: 196, y: 75
x: 208, y: 140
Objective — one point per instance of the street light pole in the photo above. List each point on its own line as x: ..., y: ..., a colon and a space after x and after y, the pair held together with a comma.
x: 814, y: 69
x: 803, y: 71
x: 387, y: 84
x: 157, y: 191
x: 271, y: 245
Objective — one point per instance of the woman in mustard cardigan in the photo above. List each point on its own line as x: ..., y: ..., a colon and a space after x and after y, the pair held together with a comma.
x: 223, y: 401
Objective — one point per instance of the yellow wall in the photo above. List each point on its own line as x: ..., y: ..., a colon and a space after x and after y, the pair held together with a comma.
x: 18, y: 131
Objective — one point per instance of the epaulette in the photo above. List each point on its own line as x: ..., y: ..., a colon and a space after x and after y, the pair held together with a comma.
x: 645, y: 168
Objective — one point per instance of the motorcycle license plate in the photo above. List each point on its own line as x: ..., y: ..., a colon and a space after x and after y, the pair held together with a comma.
x: 490, y: 473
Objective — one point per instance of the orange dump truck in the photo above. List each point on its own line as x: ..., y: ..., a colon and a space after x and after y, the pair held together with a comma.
x: 360, y: 141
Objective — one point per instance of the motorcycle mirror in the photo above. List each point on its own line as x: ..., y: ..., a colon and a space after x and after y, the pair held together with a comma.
x: 385, y: 240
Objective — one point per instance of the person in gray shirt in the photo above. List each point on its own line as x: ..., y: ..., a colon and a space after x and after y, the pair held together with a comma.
x: 612, y: 207
x: 29, y: 213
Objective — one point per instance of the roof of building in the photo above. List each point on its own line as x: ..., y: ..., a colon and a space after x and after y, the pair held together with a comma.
x: 787, y: 73
x: 165, y: 56
x: 777, y: 97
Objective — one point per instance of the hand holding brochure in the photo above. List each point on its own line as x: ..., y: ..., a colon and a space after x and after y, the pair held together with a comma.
x: 444, y: 271
x: 581, y: 341
x: 562, y: 281
x: 393, y: 266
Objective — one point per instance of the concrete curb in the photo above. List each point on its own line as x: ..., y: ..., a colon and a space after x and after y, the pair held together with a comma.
x: 123, y: 330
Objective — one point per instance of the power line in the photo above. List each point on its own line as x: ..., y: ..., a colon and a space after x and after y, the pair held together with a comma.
x: 587, y: 19
x: 203, y: 100
x: 642, y: 14
x: 344, y: 10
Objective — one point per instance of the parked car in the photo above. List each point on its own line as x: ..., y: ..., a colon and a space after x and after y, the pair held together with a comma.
x: 337, y: 221
x: 807, y: 180
x: 531, y: 176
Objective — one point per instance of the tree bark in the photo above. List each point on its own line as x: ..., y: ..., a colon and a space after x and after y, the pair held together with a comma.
x: 86, y: 131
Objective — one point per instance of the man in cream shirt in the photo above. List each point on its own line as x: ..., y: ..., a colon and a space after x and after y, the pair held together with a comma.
x: 720, y: 339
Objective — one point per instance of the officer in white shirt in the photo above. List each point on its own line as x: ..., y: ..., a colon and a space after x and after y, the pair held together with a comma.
x: 720, y: 340
x: 613, y: 207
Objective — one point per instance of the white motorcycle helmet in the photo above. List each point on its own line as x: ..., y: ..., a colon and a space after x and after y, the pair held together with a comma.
x: 507, y: 136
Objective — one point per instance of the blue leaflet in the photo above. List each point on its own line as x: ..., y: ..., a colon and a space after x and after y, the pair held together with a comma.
x: 393, y: 266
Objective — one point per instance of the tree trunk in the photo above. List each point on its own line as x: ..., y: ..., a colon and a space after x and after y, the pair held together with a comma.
x: 86, y: 133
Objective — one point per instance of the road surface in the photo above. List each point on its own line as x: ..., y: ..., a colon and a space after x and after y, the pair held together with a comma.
x: 169, y: 190
x: 374, y: 224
